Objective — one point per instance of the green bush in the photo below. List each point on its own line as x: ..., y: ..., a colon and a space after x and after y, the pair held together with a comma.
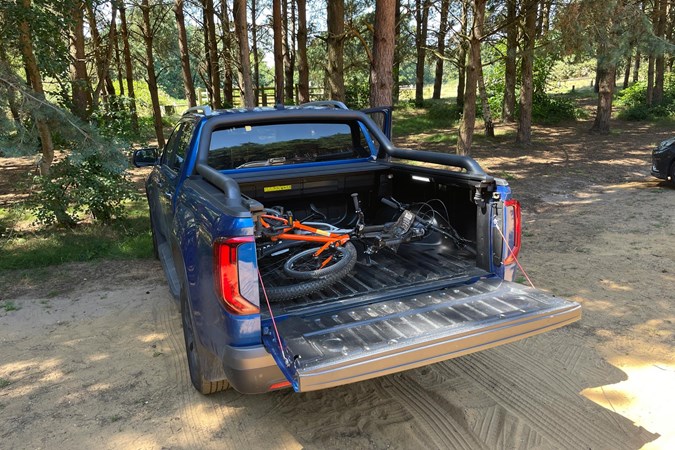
x: 75, y: 186
x: 633, y: 99
x: 443, y: 111
x: 357, y: 94
x: 549, y: 110
x: 114, y: 119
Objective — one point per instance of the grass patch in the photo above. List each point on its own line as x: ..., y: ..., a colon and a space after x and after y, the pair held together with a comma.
x: 435, y: 114
x: 9, y: 305
x: 507, y: 176
x: 125, y: 239
x: 4, y: 382
x: 441, y: 138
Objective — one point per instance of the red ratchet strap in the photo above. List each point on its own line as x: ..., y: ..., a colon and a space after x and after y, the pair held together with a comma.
x: 511, y: 253
x: 269, y: 307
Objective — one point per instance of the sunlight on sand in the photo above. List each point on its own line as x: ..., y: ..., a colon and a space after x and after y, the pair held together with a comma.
x: 98, y: 357
x: 16, y: 371
x: 153, y: 337
x: 99, y: 387
x: 613, y: 286
x: 648, y: 392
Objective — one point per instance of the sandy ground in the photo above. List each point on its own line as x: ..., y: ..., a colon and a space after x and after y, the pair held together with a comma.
x: 94, y: 356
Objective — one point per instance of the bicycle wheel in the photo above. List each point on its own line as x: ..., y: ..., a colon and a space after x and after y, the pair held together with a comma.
x: 306, y: 266
x: 302, y: 288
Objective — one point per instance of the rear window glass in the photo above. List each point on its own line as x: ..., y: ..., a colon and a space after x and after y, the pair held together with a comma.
x: 283, y: 144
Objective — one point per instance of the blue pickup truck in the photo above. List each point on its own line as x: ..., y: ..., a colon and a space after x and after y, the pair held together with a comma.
x: 416, y: 250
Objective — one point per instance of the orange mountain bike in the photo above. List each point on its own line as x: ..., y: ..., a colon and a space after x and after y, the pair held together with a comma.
x: 332, y: 254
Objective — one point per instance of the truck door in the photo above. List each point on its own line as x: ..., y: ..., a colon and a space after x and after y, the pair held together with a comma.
x: 171, y: 173
x: 382, y: 117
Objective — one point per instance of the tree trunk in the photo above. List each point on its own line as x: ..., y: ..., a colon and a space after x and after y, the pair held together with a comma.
x: 78, y: 65
x: 228, y: 97
x: 183, y: 50
x: 636, y: 68
x: 241, y: 30
x: 118, y: 58
x: 396, y: 71
x: 524, y: 135
x: 102, y: 58
x: 461, y: 55
x: 468, y: 121
x: 381, y: 78
x: 487, y: 114
x: 128, y: 68
x: 510, y: 71
x: 652, y: 57
x: 150, y: 66
x: 303, y: 66
x: 100, y: 61
x: 335, y: 59
x: 545, y: 15
x: 626, y: 73
x: 11, y: 92
x: 605, y: 96
x: 288, y: 43
x: 422, y: 22
x: 669, y: 34
x: 208, y: 80
x: 440, y: 48
x: 650, y: 79
x: 209, y: 13
x: 660, y: 63
x: 33, y: 72
x: 278, y: 53
x: 254, y: 50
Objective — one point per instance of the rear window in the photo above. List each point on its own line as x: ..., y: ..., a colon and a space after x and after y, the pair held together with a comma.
x: 250, y: 146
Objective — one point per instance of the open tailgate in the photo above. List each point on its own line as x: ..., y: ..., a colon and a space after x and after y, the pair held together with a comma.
x: 347, y: 343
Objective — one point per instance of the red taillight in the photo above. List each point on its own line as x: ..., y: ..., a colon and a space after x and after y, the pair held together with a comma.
x: 514, y: 206
x: 226, y: 275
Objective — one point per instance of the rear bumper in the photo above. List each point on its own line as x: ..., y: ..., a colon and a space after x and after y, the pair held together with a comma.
x: 251, y: 370
x: 661, y: 163
x: 655, y: 173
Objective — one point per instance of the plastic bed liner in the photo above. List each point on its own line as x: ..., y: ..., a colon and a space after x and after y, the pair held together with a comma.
x: 413, y: 265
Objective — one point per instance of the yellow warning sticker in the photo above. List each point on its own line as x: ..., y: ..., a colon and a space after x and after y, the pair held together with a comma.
x: 283, y: 187
x: 322, y: 233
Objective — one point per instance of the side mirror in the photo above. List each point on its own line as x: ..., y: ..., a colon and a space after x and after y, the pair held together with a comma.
x: 146, y: 157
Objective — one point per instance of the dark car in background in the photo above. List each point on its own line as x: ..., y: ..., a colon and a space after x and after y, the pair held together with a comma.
x: 663, y: 160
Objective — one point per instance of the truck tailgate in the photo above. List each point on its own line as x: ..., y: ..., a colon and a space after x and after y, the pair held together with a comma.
x: 345, y: 344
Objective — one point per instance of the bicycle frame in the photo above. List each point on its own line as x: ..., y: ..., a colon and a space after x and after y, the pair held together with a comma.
x: 318, y: 236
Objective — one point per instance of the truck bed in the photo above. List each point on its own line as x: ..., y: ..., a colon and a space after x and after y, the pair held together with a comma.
x: 389, y: 273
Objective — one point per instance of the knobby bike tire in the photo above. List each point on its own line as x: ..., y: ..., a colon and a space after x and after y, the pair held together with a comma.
x: 302, y: 288
x: 341, y: 256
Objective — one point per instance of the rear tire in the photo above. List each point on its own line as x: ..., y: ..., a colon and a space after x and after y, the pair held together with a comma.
x: 672, y: 172
x: 193, y: 352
